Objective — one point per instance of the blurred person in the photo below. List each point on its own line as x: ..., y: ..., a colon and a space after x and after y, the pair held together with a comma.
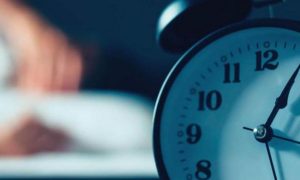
x: 45, y: 63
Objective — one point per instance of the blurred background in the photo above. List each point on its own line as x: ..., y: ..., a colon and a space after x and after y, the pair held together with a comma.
x: 79, y: 81
x: 123, y: 32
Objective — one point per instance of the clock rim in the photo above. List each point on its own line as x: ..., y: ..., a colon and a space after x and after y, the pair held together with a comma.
x: 185, y: 59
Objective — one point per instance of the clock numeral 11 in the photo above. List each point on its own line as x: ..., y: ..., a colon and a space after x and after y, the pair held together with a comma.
x: 211, y: 100
x: 236, y: 73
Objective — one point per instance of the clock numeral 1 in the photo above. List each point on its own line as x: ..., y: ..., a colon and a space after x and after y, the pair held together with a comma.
x: 236, y: 73
x: 270, y: 57
x: 203, y: 170
x: 194, y: 133
x: 212, y: 100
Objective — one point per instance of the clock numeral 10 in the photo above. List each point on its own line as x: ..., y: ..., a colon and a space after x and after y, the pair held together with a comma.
x: 194, y: 133
x: 270, y: 57
x: 203, y: 170
x: 212, y: 100
x: 236, y: 73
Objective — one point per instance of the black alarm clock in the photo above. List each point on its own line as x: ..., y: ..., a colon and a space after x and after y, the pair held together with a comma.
x: 230, y: 107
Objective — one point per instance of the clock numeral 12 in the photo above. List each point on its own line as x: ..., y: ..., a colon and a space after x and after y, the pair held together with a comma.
x: 203, y: 170
x: 270, y: 57
x: 212, y: 100
x: 236, y: 73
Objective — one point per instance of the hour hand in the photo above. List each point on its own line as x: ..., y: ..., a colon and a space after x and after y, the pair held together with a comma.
x: 282, y: 100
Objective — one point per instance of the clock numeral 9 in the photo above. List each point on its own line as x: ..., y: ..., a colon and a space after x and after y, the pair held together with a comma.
x: 203, y: 170
x: 212, y: 100
x: 194, y: 133
x: 270, y: 56
x: 236, y: 73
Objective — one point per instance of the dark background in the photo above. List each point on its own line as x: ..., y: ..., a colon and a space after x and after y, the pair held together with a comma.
x: 123, y: 34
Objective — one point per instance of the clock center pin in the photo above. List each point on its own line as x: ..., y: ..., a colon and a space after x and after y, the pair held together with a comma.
x: 262, y: 133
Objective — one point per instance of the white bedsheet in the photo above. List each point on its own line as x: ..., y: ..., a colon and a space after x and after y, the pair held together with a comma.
x: 135, y: 164
x: 111, y: 134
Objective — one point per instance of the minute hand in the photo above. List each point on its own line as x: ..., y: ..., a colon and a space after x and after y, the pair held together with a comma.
x: 282, y: 100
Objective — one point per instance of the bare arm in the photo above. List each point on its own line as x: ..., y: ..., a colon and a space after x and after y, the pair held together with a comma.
x: 27, y: 136
x: 46, y: 60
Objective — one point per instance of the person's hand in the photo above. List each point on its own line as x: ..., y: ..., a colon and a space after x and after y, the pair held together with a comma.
x: 45, y: 60
x: 28, y: 136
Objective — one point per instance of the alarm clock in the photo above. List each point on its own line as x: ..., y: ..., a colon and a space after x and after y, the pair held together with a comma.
x: 230, y: 107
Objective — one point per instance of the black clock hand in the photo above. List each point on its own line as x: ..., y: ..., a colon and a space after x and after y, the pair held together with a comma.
x: 286, y: 139
x: 278, y: 137
x: 271, y: 161
x: 282, y: 100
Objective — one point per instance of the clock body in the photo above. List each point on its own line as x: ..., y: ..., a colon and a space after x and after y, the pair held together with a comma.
x: 225, y: 83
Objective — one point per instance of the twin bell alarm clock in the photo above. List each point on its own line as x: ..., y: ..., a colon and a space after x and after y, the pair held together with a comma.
x: 230, y: 107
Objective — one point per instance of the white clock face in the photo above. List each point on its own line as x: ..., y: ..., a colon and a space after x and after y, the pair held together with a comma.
x: 217, y: 95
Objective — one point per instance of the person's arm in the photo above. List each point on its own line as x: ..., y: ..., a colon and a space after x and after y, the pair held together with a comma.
x: 28, y: 136
x: 45, y: 59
